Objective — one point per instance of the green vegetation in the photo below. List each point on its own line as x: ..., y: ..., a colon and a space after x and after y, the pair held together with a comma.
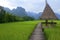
x: 6, y: 16
x: 53, y: 33
x: 17, y: 30
x: 9, y: 17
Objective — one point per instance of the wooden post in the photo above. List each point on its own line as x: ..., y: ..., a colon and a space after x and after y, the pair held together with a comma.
x: 46, y: 22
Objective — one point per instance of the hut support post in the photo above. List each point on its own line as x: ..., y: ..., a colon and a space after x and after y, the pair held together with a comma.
x: 46, y: 22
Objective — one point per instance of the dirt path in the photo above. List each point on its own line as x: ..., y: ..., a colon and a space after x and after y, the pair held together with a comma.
x: 37, y: 34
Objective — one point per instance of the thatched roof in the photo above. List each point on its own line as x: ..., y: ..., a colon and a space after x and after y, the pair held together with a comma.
x: 48, y: 13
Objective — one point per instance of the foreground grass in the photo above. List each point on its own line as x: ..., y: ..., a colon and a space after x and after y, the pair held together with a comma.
x: 17, y: 30
x: 53, y: 33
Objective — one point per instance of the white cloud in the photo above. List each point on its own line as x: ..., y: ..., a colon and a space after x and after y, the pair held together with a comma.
x: 5, y: 3
x: 58, y: 10
x: 29, y: 5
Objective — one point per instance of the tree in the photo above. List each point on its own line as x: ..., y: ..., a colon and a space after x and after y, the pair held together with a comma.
x: 2, y: 15
x: 27, y: 18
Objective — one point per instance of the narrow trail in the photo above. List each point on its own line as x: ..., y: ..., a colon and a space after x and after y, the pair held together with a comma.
x: 37, y: 34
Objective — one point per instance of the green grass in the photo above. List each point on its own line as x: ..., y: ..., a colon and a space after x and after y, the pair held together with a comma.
x: 53, y: 33
x: 22, y: 31
x: 17, y: 30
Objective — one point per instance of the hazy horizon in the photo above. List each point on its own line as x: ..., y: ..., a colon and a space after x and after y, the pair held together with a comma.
x: 32, y: 6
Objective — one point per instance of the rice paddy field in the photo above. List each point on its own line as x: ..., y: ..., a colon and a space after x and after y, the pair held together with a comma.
x: 53, y: 33
x: 22, y: 30
x: 17, y: 30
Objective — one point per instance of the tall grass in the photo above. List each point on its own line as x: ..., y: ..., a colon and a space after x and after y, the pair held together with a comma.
x: 53, y: 33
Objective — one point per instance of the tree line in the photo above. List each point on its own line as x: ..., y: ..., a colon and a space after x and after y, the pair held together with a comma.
x: 8, y: 17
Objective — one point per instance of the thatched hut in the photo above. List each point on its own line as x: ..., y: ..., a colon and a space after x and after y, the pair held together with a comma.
x: 48, y: 13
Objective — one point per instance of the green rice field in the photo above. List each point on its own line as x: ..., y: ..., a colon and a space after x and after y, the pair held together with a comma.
x: 22, y: 31
x: 53, y: 33
x: 17, y: 30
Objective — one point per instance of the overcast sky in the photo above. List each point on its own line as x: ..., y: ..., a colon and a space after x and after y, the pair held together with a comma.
x: 31, y: 5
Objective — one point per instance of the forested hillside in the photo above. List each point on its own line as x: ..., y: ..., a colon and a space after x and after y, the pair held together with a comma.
x: 9, y: 17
